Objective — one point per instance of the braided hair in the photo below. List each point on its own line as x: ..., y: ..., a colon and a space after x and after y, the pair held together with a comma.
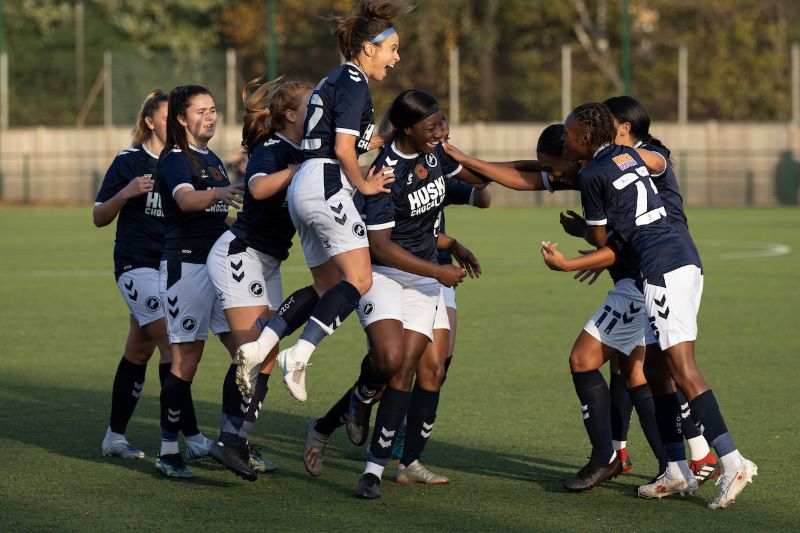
x: 551, y: 141
x: 598, y: 120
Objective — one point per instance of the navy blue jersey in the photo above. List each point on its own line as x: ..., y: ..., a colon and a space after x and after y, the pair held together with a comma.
x: 417, y: 196
x: 457, y: 192
x: 340, y: 103
x: 617, y: 192
x: 265, y: 225
x: 190, y: 236
x: 140, y: 226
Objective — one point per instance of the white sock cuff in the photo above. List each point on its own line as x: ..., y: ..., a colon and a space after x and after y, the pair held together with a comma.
x: 372, y: 468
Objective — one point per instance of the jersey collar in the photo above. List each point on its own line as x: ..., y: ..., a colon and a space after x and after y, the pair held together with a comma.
x: 602, y: 147
x: 396, y: 150
x: 287, y: 139
x: 361, y: 70
x: 198, y: 149
x: 146, y: 149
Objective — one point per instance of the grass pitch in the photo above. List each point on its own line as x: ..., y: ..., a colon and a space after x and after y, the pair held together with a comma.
x: 509, y: 428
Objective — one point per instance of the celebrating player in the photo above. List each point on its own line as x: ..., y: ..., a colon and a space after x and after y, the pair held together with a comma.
x: 617, y: 192
x: 196, y: 200
x: 338, y: 128
x: 128, y: 190
x: 244, y: 264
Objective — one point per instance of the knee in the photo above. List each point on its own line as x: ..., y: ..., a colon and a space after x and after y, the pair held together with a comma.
x: 579, y: 361
x: 362, y: 283
x: 430, y: 376
x: 387, y: 361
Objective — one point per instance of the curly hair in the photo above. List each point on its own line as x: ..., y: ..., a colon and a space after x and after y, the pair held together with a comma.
x: 598, y: 120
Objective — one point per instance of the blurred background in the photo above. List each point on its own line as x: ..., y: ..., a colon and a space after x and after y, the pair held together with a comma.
x: 720, y: 78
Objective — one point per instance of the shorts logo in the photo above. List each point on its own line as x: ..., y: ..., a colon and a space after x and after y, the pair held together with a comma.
x: 421, y: 171
x: 359, y: 230
x: 431, y: 160
x: 369, y: 307
x: 188, y: 324
x: 152, y: 303
x: 256, y: 288
x: 624, y: 161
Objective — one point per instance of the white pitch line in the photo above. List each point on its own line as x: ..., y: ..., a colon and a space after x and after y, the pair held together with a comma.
x: 755, y: 249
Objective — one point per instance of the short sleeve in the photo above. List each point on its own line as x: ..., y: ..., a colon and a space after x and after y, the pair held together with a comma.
x: 263, y: 161
x: 457, y: 192
x: 114, y: 181
x: 351, y: 95
x: 592, y: 195
x: 450, y: 167
x: 176, y: 171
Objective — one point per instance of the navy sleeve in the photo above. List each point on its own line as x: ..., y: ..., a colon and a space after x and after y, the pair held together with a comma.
x: 378, y: 212
x: 175, y: 171
x: 263, y: 160
x: 450, y: 167
x: 592, y: 187
x: 115, y: 180
x: 457, y: 192
x: 351, y: 95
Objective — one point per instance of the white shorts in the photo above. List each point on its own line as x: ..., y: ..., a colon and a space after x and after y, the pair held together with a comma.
x: 139, y: 289
x: 442, y: 321
x: 621, y: 321
x: 449, y: 297
x: 398, y: 295
x: 245, y: 279
x: 673, y: 309
x: 191, y: 302
x: 328, y: 222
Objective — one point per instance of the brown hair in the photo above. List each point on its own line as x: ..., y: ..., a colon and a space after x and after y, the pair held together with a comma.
x: 265, y: 106
x: 141, y: 133
x: 368, y: 19
x: 179, y: 100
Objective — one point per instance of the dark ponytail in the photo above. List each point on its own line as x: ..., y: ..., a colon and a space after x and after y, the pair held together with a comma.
x: 627, y: 109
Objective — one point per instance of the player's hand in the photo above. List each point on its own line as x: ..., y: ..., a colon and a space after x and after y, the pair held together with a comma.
x: 466, y: 260
x: 453, y: 152
x: 573, y: 223
x: 554, y: 259
x: 450, y: 275
x: 588, y: 273
x: 231, y: 195
x: 138, y: 186
x: 377, y: 180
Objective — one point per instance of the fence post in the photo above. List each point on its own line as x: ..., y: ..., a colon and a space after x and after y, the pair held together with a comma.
x: 230, y: 86
x: 749, y: 192
x: 455, y: 115
x: 26, y: 179
x: 566, y: 80
x: 108, y: 110
x: 683, y: 168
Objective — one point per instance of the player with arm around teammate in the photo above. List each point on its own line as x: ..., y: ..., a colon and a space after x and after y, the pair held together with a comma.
x: 616, y: 191
x: 244, y: 264
x: 196, y: 198
x: 338, y: 128
x: 399, y: 310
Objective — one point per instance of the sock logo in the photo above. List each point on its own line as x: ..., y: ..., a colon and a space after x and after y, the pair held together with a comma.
x: 585, y: 411
x: 137, y: 389
x: 426, y: 430
x: 173, y: 416
x: 388, y: 434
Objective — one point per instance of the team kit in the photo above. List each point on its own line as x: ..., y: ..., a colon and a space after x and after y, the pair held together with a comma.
x: 375, y: 242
